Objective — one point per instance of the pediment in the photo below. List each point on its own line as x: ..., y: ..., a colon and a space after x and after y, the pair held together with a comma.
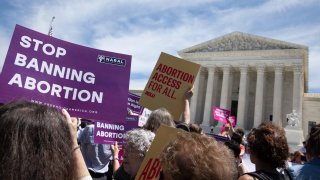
x: 239, y: 41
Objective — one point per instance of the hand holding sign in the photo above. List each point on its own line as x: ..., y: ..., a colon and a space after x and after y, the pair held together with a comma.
x: 170, y: 79
x: 189, y: 93
x: 72, y: 123
x: 115, y: 150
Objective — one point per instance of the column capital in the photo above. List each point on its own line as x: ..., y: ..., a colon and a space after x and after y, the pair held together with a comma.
x: 278, y: 68
x: 226, y: 68
x: 211, y: 68
x: 297, y: 68
x: 202, y: 70
x: 260, y: 68
x: 243, y: 68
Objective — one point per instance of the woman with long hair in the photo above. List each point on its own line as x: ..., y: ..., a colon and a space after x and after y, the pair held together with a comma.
x: 38, y: 142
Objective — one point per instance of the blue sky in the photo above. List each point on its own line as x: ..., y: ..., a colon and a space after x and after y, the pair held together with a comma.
x: 144, y: 28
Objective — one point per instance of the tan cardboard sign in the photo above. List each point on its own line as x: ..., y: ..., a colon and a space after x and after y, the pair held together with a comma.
x: 170, y: 79
x: 150, y: 167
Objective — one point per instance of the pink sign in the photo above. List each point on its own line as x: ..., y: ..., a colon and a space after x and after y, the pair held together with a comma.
x: 233, y: 120
x: 220, y: 114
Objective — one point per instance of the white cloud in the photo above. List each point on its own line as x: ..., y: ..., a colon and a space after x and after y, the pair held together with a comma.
x: 314, y: 73
x: 4, y: 39
x: 144, y: 28
x: 137, y: 84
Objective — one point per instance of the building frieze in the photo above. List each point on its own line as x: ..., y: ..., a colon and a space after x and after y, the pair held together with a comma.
x: 239, y: 41
x: 265, y: 54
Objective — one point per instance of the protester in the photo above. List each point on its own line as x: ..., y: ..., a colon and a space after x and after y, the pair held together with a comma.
x: 195, y: 128
x: 240, y: 133
x: 163, y: 116
x: 193, y: 156
x: 96, y: 156
x: 185, y: 124
x: 303, y: 148
x: 311, y: 169
x: 294, y: 169
x: 268, y: 151
x: 38, y: 142
x: 158, y: 117
x: 227, y: 129
x: 235, y: 147
x: 81, y: 127
x: 137, y: 144
x: 186, y: 112
x: 298, y: 157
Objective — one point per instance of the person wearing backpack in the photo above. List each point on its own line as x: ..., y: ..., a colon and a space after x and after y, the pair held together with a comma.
x: 269, y: 151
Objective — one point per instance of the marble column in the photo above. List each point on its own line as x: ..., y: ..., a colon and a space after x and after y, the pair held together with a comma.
x: 258, y: 106
x: 242, y: 101
x: 194, y: 99
x: 225, y: 87
x: 208, y: 98
x: 277, y: 94
x: 297, y: 89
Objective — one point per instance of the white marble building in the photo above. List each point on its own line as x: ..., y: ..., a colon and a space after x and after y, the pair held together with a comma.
x: 258, y: 79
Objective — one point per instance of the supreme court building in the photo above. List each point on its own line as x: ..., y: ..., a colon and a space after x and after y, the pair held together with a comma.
x: 258, y: 79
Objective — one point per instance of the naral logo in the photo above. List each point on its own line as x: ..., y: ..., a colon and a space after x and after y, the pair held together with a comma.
x: 111, y: 60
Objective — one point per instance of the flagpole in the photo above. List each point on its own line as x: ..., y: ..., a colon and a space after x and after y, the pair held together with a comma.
x: 50, y: 32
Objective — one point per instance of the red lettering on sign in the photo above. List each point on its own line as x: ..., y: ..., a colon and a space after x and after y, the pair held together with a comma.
x: 155, y: 169
x: 151, y: 170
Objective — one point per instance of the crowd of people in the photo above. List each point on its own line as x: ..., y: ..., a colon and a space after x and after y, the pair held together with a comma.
x: 39, y: 142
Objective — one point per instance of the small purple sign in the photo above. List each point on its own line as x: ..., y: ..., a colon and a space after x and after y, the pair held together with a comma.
x: 131, y: 122
x: 89, y: 83
x: 133, y: 104
x: 109, y: 132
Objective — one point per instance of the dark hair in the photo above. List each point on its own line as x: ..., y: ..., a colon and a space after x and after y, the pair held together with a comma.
x: 313, y: 142
x: 35, y: 142
x: 195, y: 128
x: 239, y: 131
x: 236, y: 137
x: 83, y: 124
x: 269, y: 144
x: 234, y: 147
x: 183, y: 126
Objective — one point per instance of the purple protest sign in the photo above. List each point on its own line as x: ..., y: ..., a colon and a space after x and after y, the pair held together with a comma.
x: 108, y: 132
x: 133, y: 104
x: 131, y: 122
x: 220, y: 114
x: 89, y: 83
x: 218, y: 137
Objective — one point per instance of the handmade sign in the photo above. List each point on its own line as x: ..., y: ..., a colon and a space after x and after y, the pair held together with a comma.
x: 150, y: 167
x: 133, y: 105
x: 170, y: 79
x: 143, y: 118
